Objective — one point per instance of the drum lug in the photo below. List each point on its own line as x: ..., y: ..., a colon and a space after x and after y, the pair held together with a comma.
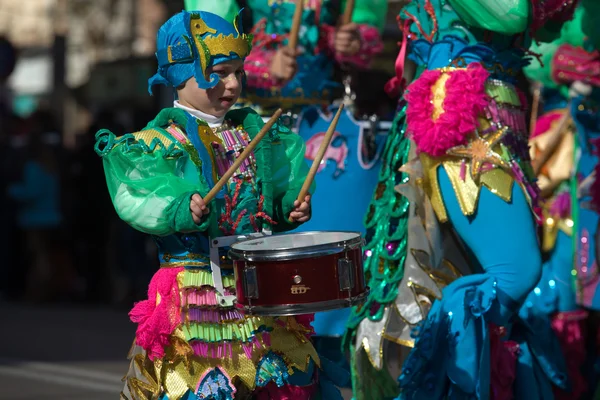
x: 345, y: 273
x: 250, y: 282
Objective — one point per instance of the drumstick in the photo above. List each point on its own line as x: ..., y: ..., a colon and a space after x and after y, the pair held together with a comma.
x: 534, y: 109
x: 317, y: 161
x: 293, y: 40
x: 236, y: 164
x: 347, y: 17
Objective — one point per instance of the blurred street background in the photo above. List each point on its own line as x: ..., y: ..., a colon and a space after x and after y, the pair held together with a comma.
x: 70, y: 270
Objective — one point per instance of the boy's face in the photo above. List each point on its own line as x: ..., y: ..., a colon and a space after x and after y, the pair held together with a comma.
x: 218, y: 100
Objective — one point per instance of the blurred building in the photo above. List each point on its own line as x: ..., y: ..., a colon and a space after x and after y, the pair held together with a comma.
x: 102, y: 50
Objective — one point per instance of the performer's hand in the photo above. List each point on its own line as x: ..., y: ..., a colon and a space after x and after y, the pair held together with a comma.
x: 198, y: 208
x: 347, y: 40
x: 284, y: 65
x: 301, y: 212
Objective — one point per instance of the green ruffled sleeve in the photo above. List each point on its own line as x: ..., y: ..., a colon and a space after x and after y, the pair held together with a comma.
x: 289, y: 172
x: 147, y: 185
x: 227, y: 9
x: 286, y: 168
x: 508, y: 17
x: 369, y: 12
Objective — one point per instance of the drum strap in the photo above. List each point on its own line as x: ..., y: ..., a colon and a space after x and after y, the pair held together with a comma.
x: 215, y: 262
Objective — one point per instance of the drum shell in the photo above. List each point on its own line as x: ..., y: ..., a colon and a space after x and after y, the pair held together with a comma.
x: 313, y: 282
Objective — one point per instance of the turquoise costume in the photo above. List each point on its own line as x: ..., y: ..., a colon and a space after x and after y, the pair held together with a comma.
x: 191, y: 342
x: 466, y: 121
x: 563, y: 285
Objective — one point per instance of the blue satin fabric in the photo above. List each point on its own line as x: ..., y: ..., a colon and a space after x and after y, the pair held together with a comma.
x: 451, y: 357
x: 556, y: 290
x: 502, y: 237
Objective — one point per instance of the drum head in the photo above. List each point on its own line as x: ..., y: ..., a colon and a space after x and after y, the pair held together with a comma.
x: 294, y: 246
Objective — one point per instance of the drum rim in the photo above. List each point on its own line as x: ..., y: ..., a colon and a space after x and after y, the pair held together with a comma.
x: 284, y: 310
x: 297, y: 253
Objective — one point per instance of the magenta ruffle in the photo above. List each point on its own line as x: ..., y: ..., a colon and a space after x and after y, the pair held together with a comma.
x: 570, y: 329
x: 465, y: 100
x: 503, y: 372
x: 257, y: 67
x: 157, y: 322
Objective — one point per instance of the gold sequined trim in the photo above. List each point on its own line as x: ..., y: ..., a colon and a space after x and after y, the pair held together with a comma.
x: 148, y: 135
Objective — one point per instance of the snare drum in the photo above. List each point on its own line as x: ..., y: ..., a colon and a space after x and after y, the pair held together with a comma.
x: 299, y: 273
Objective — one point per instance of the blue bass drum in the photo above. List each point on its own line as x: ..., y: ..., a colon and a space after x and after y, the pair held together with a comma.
x: 345, y: 182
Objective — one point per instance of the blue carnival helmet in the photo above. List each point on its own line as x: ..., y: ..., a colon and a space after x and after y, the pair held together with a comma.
x: 190, y: 42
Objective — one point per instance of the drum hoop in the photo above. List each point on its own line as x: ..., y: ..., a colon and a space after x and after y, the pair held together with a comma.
x: 284, y: 310
x: 318, y: 250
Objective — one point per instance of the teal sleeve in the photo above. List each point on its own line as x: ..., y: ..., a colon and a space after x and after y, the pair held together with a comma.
x: 505, y: 17
x: 369, y: 12
x: 227, y: 9
x: 147, y: 185
x: 286, y: 169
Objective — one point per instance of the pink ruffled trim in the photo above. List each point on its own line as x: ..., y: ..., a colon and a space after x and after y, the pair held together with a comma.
x: 157, y: 322
x: 371, y: 45
x: 570, y: 330
x: 257, y: 67
x: 465, y: 100
x: 503, y: 364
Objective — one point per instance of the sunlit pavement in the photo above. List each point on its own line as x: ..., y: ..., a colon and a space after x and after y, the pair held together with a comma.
x: 64, y: 352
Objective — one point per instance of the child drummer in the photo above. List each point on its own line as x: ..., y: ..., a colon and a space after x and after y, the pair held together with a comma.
x: 191, y: 341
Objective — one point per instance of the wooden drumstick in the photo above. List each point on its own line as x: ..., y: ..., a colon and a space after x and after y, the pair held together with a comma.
x: 347, y: 17
x: 293, y: 40
x: 236, y: 164
x: 535, y: 104
x: 320, y: 154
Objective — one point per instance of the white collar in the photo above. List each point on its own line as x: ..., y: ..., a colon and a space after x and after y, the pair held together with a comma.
x: 212, y: 121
